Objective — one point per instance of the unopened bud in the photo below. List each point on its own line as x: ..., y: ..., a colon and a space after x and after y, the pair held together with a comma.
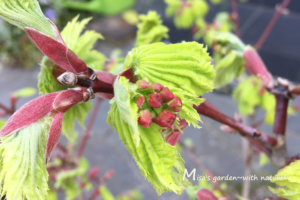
x: 175, y: 105
x: 68, y: 78
x: 156, y: 87
x: 140, y: 100
x: 145, y: 118
x: 141, y: 84
x: 204, y: 194
x: 109, y: 174
x: 167, y: 95
x: 154, y: 100
x: 165, y: 118
x: 93, y: 173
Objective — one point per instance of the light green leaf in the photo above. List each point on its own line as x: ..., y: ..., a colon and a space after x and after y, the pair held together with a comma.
x: 23, y: 171
x: 26, y: 13
x: 156, y: 159
x: 82, y: 45
x: 124, y: 92
x: 289, y: 179
x: 2, y: 123
x: 105, y: 193
x: 150, y: 29
x: 185, y: 68
x: 228, y: 68
x: 225, y: 38
x: 52, y: 195
x: 24, y: 92
x: 263, y: 159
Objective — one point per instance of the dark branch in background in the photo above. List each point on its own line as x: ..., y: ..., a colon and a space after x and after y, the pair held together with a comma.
x: 271, y: 24
x: 206, y: 109
x: 89, y: 127
x: 235, y: 17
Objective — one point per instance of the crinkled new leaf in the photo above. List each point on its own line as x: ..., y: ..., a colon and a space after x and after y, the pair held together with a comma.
x: 26, y: 13
x: 185, y: 68
x: 23, y: 171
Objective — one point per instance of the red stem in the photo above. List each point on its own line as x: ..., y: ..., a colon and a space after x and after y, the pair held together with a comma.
x: 282, y: 103
x: 6, y: 109
x: 271, y: 24
x: 244, y: 130
x: 235, y: 16
x: 87, y: 132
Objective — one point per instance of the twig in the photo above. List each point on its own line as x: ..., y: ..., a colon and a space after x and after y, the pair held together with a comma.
x: 244, y: 130
x: 271, y: 24
x: 87, y: 132
x: 6, y: 109
x: 235, y: 17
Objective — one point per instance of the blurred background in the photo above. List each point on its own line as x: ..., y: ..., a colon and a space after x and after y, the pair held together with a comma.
x: 218, y: 151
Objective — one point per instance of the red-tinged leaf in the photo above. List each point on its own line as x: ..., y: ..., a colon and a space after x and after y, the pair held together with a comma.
x: 57, y: 32
x: 204, y: 194
x: 107, y: 78
x: 29, y: 113
x: 128, y: 73
x: 67, y: 99
x: 173, y: 137
x: 256, y: 66
x: 54, y: 134
x: 79, y: 66
x: 57, y: 52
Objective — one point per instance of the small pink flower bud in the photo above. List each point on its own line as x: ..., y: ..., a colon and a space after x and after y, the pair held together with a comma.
x: 156, y: 87
x: 109, y: 174
x: 167, y: 95
x: 145, y: 118
x: 154, y: 100
x: 94, y: 173
x: 204, y: 194
x: 142, y: 84
x: 140, y: 100
x: 175, y: 105
x: 165, y: 119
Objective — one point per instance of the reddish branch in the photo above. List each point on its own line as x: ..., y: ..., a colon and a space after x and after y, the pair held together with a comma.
x: 87, y: 132
x: 235, y: 17
x: 271, y: 24
x: 282, y: 102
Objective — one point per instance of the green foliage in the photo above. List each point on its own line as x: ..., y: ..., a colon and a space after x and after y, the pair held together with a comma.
x: 124, y: 92
x: 82, y: 45
x: 104, y: 7
x: 288, y: 179
x: 131, y: 17
x: 67, y: 179
x: 105, y: 193
x: 156, y: 159
x: 23, y: 172
x: 150, y: 29
x: 24, y: 92
x: 228, y: 68
x: 185, y: 68
x: 186, y: 15
x: 263, y: 159
x: 2, y: 123
x: 26, y: 13
x: 250, y: 94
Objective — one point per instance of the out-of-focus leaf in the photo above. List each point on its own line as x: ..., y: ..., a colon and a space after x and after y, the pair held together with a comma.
x: 66, y: 180
x: 263, y: 159
x: 150, y: 29
x: 24, y: 92
x: 2, y: 122
x: 105, y: 193
x: 104, y: 7
x: 228, y: 68
x: 131, y: 17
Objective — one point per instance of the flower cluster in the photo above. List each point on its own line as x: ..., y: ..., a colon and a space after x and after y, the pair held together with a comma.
x: 156, y: 104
